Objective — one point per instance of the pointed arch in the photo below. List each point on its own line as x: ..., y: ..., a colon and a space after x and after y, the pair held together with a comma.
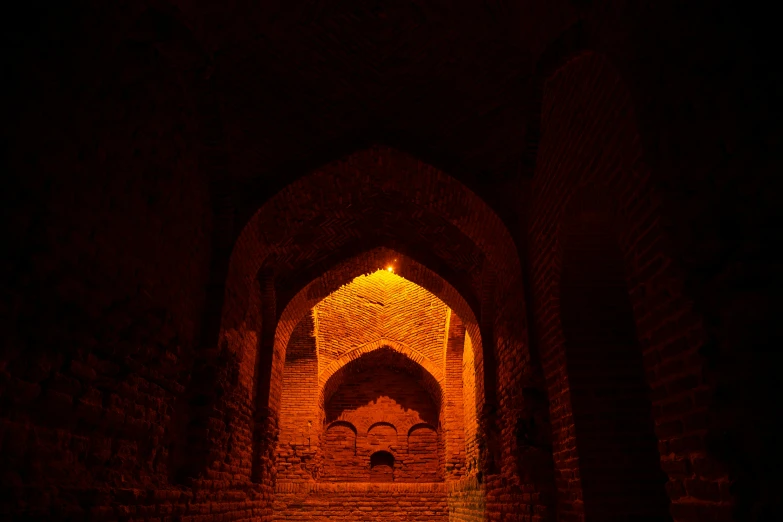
x: 422, y: 360
x: 396, y: 358
x: 373, y: 198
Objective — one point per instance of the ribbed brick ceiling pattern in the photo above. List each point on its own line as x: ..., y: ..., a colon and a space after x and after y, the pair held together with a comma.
x: 368, y: 262
x: 380, y: 309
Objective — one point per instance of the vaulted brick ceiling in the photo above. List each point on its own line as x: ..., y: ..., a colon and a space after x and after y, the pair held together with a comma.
x: 381, y: 308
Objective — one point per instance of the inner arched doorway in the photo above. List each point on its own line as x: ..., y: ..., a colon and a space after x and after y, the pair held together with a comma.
x: 368, y: 397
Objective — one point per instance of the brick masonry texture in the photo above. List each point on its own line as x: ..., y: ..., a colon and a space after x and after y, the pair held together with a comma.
x: 347, y: 398
x: 361, y: 502
x: 381, y: 305
x: 389, y: 412
x: 189, y: 184
x: 615, y: 182
x: 483, y: 297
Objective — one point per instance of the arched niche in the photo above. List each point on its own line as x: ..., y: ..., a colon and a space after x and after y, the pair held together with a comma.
x: 380, y: 344
x: 422, y: 427
x: 382, y: 467
x: 382, y: 436
x: 424, y: 455
x: 387, y: 361
x: 393, y: 402
x: 338, y: 450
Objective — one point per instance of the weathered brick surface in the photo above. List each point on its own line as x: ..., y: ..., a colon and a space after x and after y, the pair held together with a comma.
x: 385, y: 306
x: 467, y: 500
x: 104, y: 290
x: 469, y: 407
x: 361, y: 502
x: 454, y: 393
x: 301, y: 418
x: 389, y: 411
x: 590, y: 146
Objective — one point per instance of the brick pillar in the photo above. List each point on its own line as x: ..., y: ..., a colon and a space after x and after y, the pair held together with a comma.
x: 300, y: 421
x: 453, y: 401
x: 265, y: 419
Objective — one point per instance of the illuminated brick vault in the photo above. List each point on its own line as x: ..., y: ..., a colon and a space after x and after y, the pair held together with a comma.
x: 378, y: 409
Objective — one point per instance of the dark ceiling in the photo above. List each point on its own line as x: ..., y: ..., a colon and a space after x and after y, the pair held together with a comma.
x: 300, y: 83
x: 284, y: 86
x: 303, y: 83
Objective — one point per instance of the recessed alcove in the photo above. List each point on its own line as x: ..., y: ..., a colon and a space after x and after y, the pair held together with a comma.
x: 366, y: 382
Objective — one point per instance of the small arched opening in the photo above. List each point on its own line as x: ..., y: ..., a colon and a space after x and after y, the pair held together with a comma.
x: 381, y: 467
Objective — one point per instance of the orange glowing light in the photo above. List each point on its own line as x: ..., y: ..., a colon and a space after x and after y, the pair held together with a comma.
x: 390, y: 269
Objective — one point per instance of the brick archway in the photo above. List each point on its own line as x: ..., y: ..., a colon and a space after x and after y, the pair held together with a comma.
x: 385, y: 197
x: 374, y: 198
x: 385, y: 394
x: 447, y: 223
x: 362, y: 179
x: 363, y: 263
x: 391, y: 357
x: 407, y: 311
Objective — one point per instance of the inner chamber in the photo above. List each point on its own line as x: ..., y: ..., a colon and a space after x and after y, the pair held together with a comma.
x: 378, y: 406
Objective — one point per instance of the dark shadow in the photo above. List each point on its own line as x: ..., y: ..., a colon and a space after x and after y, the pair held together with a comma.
x: 363, y: 382
x: 381, y: 467
x: 617, y: 447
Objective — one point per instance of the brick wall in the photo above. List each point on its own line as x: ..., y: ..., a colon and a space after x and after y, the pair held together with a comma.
x: 300, y: 418
x: 619, y: 463
x: 361, y: 502
x: 389, y: 411
x: 104, y: 290
x: 711, y: 126
x: 469, y: 406
x: 454, y: 404
x: 590, y: 145
x: 467, y: 500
